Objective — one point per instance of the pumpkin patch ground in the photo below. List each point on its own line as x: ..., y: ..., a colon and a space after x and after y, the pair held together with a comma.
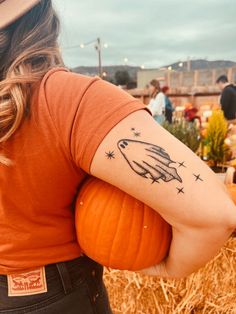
x: 212, y: 290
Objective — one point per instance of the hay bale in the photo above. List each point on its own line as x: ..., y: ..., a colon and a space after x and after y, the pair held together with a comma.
x: 211, y: 290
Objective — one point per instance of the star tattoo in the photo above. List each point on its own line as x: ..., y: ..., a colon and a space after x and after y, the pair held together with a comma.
x: 197, y: 177
x: 137, y: 134
x: 182, y: 164
x: 155, y: 180
x: 110, y: 155
x: 180, y: 190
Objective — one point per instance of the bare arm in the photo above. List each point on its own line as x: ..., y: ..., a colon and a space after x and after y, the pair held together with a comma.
x: 142, y: 159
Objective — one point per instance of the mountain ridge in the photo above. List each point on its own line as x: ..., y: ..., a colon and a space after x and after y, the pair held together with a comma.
x: 198, y: 64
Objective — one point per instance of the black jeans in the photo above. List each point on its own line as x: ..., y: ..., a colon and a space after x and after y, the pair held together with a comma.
x: 74, y: 287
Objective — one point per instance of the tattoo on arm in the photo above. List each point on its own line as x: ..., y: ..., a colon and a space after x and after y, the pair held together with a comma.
x: 197, y: 177
x: 110, y: 155
x: 148, y: 160
x: 180, y: 190
x: 135, y: 132
x: 182, y: 164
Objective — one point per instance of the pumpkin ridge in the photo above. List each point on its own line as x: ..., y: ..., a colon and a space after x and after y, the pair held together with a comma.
x: 115, y: 235
x: 129, y: 242
x: 84, y: 214
x: 140, y: 242
x: 81, y: 214
x: 89, y: 201
x: 99, y: 229
x: 150, y: 230
x: 103, y: 187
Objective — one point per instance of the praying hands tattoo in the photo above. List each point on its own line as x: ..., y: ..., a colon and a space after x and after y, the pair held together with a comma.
x: 151, y: 162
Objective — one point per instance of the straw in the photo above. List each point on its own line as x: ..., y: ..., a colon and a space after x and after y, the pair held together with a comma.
x: 211, y: 290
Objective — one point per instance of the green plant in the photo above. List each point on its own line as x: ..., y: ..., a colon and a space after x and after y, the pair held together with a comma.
x: 215, y: 139
x: 187, y: 132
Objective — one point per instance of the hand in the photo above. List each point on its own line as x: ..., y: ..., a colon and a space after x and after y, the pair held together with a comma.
x: 158, y: 270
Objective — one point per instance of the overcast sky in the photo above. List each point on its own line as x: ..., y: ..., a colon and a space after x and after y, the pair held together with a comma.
x: 148, y: 32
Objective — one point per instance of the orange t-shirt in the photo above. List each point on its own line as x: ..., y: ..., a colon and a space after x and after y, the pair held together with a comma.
x: 70, y: 114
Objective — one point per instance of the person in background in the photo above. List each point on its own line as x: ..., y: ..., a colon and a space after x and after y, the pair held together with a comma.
x: 168, y: 105
x: 190, y: 113
x: 228, y: 97
x: 157, y: 102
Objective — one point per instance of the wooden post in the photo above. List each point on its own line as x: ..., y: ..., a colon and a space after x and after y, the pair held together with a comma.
x: 195, y: 78
x: 168, y: 78
x: 230, y: 74
x: 181, y: 75
x: 99, y: 50
x: 213, y: 77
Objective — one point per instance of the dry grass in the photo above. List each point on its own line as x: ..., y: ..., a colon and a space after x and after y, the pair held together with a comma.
x: 212, y: 290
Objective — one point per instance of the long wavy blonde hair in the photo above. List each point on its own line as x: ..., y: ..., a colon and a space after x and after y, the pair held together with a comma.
x: 28, y: 49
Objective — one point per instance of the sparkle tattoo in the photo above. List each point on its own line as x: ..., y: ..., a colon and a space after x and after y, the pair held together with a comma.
x: 148, y: 161
x: 137, y: 134
x: 197, y: 177
x: 110, y: 155
x: 180, y: 190
x: 182, y: 164
x: 155, y: 181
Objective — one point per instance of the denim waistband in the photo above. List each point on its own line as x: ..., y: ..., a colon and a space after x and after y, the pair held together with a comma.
x: 62, y: 278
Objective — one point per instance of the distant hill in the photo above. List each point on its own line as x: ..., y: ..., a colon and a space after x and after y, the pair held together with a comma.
x: 110, y: 70
x: 201, y: 64
x: 195, y: 65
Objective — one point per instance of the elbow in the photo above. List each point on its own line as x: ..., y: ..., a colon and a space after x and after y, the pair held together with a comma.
x: 228, y: 226
x: 230, y: 219
x: 231, y: 226
x: 225, y: 218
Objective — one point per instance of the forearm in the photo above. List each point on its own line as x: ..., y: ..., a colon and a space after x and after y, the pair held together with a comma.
x: 191, y: 249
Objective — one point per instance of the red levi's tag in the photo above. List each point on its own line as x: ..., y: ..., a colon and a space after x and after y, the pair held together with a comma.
x: 27, y: 283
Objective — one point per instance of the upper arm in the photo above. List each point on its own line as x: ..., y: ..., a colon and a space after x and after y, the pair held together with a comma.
x: 144, y: 160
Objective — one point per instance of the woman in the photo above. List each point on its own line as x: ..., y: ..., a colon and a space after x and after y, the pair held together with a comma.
x: 56, y: 128
x: 168, y: 105
x: 157, y: 102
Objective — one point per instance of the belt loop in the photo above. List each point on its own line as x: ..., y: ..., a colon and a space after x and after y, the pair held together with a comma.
x: 65, y: 277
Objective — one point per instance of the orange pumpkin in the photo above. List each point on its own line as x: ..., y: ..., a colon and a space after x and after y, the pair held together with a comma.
x: 118, y: 231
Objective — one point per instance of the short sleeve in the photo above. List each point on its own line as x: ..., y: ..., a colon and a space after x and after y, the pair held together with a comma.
x: 84, y: 110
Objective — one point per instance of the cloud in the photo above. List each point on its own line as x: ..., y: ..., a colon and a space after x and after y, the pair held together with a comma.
x: 151, y: 32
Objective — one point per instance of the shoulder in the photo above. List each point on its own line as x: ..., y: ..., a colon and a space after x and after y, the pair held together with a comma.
x: 63, y: 80
x: 229, y: 90
x: 160, y: 96
x: 60, y: 93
